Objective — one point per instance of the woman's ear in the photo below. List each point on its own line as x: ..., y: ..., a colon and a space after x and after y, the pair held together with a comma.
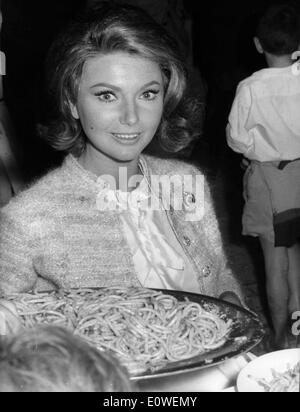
x: 258, y: 45
x: 74, y: 110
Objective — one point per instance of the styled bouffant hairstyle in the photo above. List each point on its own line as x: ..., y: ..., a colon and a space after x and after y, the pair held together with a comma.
x: 279, y: 30
x: 52, y: 359
x: 112, y: 28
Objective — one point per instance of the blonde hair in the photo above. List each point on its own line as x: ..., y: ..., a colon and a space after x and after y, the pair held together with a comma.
x: 52, y: 359
x: 108, y: 29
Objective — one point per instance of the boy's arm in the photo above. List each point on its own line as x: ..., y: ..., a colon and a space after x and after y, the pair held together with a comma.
x: 8, y: 141
x: 238, y: 136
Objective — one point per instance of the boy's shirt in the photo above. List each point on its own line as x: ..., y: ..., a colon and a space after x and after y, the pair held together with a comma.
x: 264, y: 123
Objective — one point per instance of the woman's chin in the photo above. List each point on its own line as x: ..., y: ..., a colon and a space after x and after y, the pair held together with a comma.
x: 126, y: 156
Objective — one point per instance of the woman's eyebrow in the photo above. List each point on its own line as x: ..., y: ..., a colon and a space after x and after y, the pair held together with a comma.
x: 114, y: 87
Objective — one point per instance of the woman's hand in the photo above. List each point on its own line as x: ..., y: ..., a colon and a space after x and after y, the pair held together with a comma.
x: 231, y: 298
x: 10, y: 323
x: 245, y: 163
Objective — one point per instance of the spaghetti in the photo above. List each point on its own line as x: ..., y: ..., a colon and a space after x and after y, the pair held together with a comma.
x: 146, y: 329
x: 287, y: 381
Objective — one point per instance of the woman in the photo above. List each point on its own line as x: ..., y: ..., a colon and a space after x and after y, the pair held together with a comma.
x: 111, y: 215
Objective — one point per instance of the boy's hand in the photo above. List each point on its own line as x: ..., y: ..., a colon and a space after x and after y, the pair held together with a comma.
x: 10, y: 322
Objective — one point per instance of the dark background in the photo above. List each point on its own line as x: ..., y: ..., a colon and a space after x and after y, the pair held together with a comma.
x: 223, y: 52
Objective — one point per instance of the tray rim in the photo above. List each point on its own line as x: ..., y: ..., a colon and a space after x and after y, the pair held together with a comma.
x: 196, y: 362
x: 203, y: 364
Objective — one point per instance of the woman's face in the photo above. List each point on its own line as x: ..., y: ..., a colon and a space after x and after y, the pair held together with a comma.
x: 120, y: 104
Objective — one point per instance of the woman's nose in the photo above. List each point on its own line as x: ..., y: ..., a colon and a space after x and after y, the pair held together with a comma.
x: 129, y: 114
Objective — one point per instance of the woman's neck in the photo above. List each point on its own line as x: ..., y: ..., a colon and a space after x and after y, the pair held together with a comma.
x: 108, y: 168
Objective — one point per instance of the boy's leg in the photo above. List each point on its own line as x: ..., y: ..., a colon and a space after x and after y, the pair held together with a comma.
x: 276, y: 265
x: 294, y: 278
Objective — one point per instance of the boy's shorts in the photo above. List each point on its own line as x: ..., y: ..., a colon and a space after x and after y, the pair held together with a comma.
x: 272, y: 202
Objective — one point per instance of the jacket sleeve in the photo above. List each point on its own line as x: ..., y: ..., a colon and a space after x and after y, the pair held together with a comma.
x: 238, y: 136
x: 226, y: 280
x: 16, y: 268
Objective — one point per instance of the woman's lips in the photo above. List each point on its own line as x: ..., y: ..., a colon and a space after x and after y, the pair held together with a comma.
x: 126, y: 137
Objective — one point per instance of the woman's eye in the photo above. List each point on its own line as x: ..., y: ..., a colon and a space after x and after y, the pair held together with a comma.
x: 150, y: 94
x: 106, y: 97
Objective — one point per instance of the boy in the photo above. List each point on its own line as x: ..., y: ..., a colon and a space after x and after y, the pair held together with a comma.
x: 264, y: 125
x: 50, y: 358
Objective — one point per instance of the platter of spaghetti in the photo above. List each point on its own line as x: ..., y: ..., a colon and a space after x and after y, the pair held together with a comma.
x: 154, y: 333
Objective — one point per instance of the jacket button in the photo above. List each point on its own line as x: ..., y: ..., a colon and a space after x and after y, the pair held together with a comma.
x: 187, y: 241
x: 206, y: 271
x: 189, y: 201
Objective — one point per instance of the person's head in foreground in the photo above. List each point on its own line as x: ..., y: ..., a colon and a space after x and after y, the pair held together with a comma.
x: 278, y: 33
x: 117, y: 80
x: 52, y: 359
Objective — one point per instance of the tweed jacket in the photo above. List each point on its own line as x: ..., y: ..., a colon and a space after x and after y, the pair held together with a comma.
x: 53, y: 235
